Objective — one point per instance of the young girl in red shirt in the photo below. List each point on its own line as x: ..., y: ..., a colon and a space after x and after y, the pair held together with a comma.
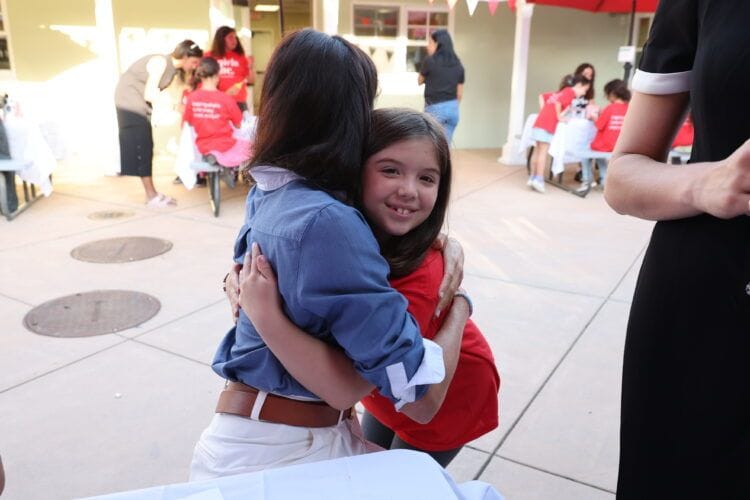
x: 608, y: 127
x: 405, y: 192
x: 213, y: 114
x: 546, y: 123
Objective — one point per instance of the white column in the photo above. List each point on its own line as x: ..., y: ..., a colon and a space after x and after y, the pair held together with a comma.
x: 220, y: 13
x: 331, y: 17
x: 108, y: 57
x: 512, y: 154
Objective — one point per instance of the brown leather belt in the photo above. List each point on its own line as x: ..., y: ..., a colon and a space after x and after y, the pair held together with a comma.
x: 238, y: 399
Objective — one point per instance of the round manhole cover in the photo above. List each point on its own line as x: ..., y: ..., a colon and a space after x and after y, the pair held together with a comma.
x: 91, y: 313
x: 111, y: 214
x: 114, y: 250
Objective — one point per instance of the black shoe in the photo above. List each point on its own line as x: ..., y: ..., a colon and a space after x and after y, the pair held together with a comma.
x: 177, y: 180
x: 200, y: 181
x: 229, y: 177
x: 211, y: 160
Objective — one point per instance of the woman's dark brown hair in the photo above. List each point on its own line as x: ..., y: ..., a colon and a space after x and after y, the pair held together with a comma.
x: 316, y: 110
x: 579, y: 72
x: 393, y: 125
x: 207, y: 67
x: 219, y: 45
x: 617, y: 88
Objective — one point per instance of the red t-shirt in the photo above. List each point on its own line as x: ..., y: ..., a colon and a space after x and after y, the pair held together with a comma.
x: 608, y: 126
x: 547, y: 119
x: 470, y: 408
x: 685, y: 135
x: 210, y: 112
x: 233, y: 71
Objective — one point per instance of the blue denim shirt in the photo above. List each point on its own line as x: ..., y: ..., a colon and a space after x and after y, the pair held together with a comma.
x: 334, y: 285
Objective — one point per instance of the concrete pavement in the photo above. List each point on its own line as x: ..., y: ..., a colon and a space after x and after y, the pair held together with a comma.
x: 551, y: 277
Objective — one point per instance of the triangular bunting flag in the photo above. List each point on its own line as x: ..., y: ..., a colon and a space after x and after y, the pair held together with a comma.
x: 452, y: 3
x: 472, y: 5
x: 492, y: 4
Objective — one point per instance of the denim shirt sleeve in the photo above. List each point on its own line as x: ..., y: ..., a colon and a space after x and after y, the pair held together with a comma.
x: 343, y: 278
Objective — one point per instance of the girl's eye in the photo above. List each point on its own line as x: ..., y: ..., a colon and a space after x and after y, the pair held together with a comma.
x: 428, y: 179
x: 389, y: 171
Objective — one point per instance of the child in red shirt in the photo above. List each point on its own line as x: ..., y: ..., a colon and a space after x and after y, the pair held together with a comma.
x: 608, y: 127
x: 212, y: 114
x: 405, y: 192
x: 546, y: 123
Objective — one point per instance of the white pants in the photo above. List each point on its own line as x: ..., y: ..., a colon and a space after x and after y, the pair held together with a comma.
x: 235, y: 445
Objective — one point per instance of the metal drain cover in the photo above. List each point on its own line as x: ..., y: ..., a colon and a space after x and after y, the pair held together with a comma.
x: 110, y: 214
x: 91, y: 313
x: 114, y: 250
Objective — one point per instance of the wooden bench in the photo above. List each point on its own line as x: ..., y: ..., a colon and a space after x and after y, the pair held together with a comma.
x: 29, y: 191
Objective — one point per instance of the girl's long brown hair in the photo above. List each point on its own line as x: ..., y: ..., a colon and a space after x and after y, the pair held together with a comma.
x: 392, y: 125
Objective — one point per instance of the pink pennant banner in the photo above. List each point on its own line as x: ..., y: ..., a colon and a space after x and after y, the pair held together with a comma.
x: 492, y: 5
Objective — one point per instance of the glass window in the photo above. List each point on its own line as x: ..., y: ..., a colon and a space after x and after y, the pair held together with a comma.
x: 420, y: 25
x: 376, y: 21
x: 396, y: 37
x: 4, y: 53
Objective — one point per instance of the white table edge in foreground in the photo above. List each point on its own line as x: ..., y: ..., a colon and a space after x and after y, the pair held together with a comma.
x: 393, y: 474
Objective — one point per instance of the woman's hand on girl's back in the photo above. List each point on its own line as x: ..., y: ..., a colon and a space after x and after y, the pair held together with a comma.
x: 453, y: 265
x: 259, y: 291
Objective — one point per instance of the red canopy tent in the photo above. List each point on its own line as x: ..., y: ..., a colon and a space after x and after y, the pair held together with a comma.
x: 616, y: 6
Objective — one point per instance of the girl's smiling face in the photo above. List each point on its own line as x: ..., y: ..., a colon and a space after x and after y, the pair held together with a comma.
x: 400, y: 186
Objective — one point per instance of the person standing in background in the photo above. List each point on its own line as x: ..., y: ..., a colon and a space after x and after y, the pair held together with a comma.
x: 137, y: 89
x: 235, y: 74
x: 443, y: 76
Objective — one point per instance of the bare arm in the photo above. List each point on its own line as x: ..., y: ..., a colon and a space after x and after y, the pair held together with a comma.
x: 449, y: 338
x: 420, y: 79
x: 320, y: 367
x: 639, y: 183
x: 155, y: 68
x: 459, y: 91
x: 323, y: 369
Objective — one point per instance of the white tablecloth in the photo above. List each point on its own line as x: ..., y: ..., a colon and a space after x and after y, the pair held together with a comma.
x: 27, y: 144
x: 571, y: 142
x: 391, y: 475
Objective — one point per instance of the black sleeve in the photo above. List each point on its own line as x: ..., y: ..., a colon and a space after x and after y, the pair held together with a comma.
x: 461, y: 75
x: 673, y: 38
x: 424, y: 70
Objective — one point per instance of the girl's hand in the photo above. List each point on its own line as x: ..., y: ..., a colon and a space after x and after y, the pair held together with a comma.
x: 724, y: 190
x: 453, y: 264
x: 259, y: 291
x: 232, y: 289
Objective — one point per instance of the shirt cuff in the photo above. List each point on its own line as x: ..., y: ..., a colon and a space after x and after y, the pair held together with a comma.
x: 430, y: 371
x: 661, y: 83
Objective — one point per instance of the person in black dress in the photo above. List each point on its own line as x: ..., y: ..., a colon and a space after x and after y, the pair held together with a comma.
x: 685, y: 422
